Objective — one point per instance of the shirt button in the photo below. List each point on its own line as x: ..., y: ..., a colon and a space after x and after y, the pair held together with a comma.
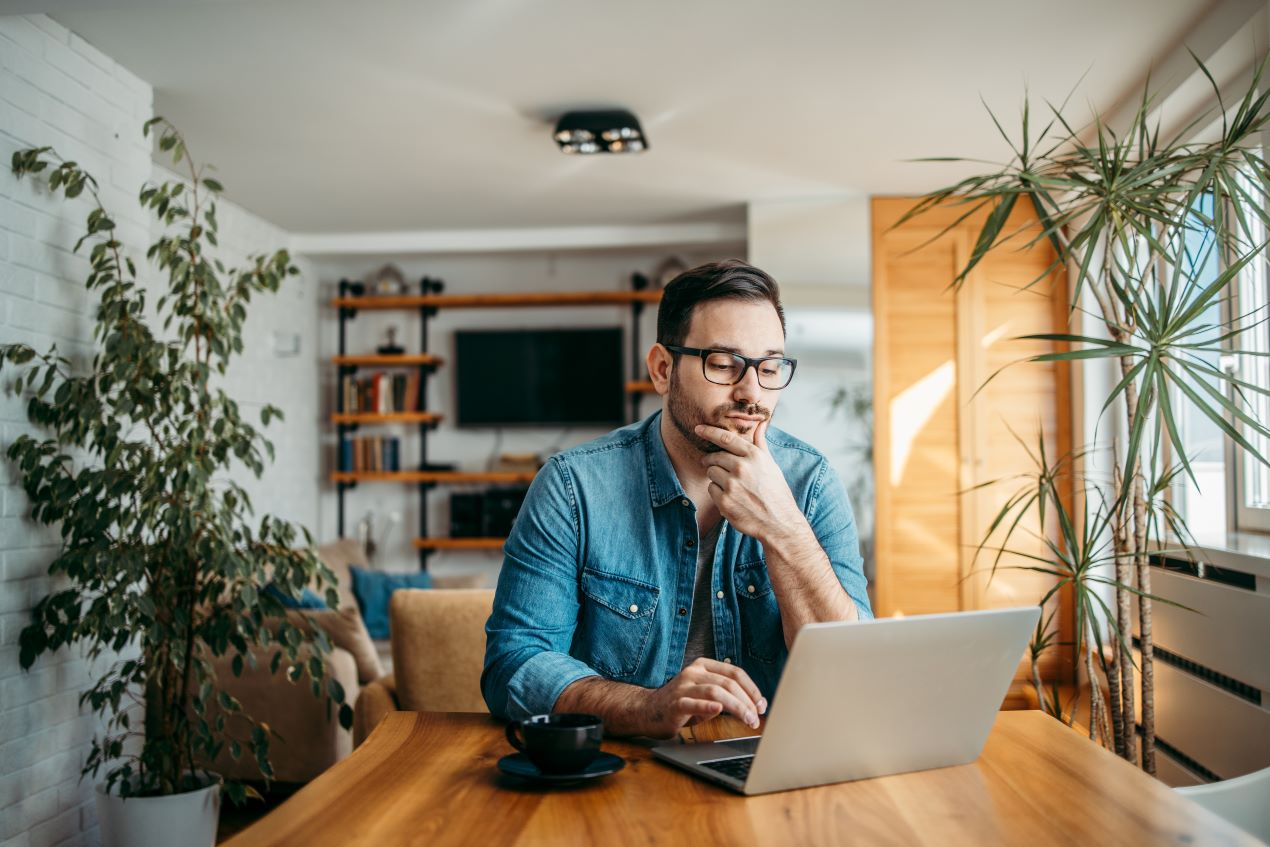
x: 682, y: 611
x: 719, y: 595
x: 727, y: 660
x: 634, y: 609
x: 750, y: 588
x: 690, y: 543
x: 686, y: 502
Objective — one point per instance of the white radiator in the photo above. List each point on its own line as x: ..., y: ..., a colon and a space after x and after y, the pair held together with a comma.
x: 1212, y: 667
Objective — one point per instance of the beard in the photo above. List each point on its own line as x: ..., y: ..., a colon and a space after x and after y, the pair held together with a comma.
x: 685, y: 414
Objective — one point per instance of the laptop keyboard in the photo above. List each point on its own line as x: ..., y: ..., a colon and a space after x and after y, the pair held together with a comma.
x: 737, y: 768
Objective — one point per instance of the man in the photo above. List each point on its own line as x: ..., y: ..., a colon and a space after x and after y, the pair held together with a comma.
x: 657, y: 576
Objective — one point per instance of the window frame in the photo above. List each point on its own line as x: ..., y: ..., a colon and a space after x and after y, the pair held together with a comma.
x: 1251, y: 303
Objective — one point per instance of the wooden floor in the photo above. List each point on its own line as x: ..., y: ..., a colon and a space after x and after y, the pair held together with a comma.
x: 234, y: 819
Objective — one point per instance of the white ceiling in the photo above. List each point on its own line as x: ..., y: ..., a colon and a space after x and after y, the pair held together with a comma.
x: 326, y: 116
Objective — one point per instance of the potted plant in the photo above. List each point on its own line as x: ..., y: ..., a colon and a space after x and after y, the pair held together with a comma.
x: 161, y: 568
x: 1141, y: 221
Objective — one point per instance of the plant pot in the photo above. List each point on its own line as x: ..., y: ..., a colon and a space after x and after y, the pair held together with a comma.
x: 176, y: 820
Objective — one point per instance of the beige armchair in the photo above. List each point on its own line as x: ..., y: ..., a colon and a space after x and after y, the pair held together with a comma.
x: 438, y: 650
x: 309, y: 739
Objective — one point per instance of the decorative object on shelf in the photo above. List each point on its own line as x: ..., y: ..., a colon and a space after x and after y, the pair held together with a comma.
x: 600, y: 131
x: 518, y: 462
x: 670, y: 268
x: 392, y: 348
x: 388, y: 281
x: 366, y: 535
x: 443, y: 467
x: 159, y: 553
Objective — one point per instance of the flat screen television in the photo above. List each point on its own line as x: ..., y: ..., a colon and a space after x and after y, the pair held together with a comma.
x: 539, y: 377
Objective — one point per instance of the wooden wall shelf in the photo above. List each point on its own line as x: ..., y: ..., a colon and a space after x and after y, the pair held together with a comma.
x: 459, y: 543
x: 640, y: 386
x: 437, y: 477
x: 384, y: 417
x: 495, y: 301
x: 401, y: 360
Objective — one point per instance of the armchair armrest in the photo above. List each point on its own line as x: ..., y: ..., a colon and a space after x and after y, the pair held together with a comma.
x: 375, y: 701
x: 308, y: 741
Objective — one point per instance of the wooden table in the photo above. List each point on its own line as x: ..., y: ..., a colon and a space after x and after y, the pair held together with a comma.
x: 430, y: 778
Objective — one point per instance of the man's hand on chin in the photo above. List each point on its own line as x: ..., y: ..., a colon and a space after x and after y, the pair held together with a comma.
x: 746, y: 483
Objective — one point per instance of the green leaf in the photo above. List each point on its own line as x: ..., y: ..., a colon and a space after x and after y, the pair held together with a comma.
x: 989, y: 234
x: 154, y: 559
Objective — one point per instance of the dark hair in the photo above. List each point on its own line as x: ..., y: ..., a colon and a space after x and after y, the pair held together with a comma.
x: 730, y: 279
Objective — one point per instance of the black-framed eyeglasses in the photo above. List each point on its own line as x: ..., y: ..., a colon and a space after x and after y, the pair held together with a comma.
x: 723, y: 367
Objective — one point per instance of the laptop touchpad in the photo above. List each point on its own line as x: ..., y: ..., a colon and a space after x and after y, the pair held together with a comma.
x: 742, y: 745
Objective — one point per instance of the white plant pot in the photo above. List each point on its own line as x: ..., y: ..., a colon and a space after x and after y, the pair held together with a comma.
x: 177, y: 820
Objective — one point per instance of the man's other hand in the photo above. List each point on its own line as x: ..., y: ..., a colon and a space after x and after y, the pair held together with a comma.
x: 701, y: 691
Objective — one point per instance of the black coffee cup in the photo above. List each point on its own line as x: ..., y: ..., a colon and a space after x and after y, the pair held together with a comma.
x: 564, y: 743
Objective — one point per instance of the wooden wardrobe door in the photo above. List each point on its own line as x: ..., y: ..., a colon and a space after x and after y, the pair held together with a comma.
x: 918, y: 536
x: 939, y: 430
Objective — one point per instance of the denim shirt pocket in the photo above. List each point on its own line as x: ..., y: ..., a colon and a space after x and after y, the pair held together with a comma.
x: 616, y: 622
x: 761, y: 631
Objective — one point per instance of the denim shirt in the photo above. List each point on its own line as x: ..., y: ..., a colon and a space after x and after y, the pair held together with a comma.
x: 598, y: 572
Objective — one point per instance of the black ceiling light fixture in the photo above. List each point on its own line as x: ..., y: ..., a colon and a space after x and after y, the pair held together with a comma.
x: 600, y: 131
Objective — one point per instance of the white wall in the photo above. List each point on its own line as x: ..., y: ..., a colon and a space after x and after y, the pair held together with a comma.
x: 819, y: 250
x: 280, y: 364
x: 57, y: 90
x: 54, y: 89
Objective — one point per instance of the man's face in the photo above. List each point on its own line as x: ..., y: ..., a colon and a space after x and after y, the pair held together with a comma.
x: 751, y: 329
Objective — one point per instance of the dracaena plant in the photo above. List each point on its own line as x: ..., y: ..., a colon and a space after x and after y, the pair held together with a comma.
x: 1138, y: 219
x: 1074, y: 515
x: 161, y: 567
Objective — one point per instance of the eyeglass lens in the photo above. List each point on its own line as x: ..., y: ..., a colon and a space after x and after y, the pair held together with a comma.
x: 727, y: 369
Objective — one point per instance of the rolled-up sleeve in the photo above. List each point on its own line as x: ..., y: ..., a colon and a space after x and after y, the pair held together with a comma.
x: 831, y: 518
x: 529, y: 633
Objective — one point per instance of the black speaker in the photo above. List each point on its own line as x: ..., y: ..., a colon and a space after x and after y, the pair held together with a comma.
x: 465, y: 515
x: 499, y: 510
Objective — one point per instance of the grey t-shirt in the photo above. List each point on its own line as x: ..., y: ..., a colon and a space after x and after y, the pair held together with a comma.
x: 701, y: 626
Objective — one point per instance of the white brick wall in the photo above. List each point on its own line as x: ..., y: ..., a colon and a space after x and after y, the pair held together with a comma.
x: 56, y: 89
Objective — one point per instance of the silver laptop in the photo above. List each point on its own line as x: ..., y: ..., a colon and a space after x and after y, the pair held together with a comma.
x: 870, y: 698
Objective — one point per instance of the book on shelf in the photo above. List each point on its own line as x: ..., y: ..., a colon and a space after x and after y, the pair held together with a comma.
x: 380, y: 393
x: 371, y: 453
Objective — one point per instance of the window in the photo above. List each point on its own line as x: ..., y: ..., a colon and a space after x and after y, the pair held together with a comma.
x: 1204, y: 498
x: 1251, y: 494
x: 1231, y: 487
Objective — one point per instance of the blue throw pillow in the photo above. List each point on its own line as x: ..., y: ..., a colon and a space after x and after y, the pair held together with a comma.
x: 373, y: 590
x: 309, y: 599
